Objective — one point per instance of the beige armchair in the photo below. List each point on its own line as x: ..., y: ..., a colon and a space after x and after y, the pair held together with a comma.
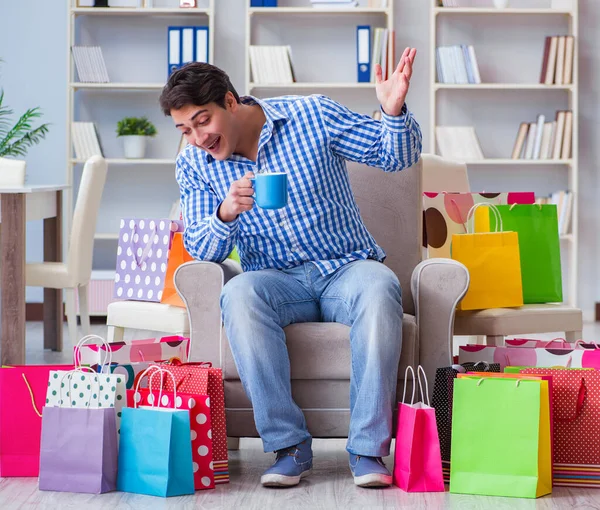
x: 390, y: 205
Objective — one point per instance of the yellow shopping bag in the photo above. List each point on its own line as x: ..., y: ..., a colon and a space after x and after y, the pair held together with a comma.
x: 494, y: 265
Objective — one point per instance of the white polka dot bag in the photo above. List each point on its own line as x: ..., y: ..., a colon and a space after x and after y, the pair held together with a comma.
x: 142, y: 256
x: 198, y: 405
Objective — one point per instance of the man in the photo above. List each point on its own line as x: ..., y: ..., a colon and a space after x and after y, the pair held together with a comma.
x: 313, y: 260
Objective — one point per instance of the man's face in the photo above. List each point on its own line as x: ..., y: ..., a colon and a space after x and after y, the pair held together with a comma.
x: 209, y: 127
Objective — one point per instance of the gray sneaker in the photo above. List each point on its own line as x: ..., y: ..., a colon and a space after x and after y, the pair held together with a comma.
x: 291, y: 465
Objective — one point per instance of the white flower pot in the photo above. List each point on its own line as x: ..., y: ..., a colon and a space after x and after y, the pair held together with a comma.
x: 134, y: 146
x: 12, y: 172
x: 501, y: 4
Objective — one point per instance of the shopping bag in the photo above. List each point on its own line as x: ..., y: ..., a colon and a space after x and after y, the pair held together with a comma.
x: 78, y: 445
x: 492, y: 259
x: 178, y: 256
x: 445, y: 214
x: 22, y: 397
x: 576, y: 403
x: 143, y: 350
x: 142, y: 256
x: 80, y: 389
x: 503, y: 449
x: 559, y: 343
x: 155, y: 455
x: 539, y: 250
x: 189, y: 378
x: 441, y: 401
x: 417, y: 459
x: 198, y: 405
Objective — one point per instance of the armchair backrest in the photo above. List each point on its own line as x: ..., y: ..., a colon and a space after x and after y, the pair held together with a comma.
x: 390, y: 205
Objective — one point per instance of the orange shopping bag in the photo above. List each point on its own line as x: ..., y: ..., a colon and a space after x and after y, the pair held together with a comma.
x: 177, y: 257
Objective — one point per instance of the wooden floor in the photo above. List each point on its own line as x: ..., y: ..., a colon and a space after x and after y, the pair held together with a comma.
x: 330, y: 486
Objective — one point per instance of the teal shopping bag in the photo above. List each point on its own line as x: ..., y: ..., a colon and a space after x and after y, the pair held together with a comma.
x: 155, y: 456
x: 539, y: 249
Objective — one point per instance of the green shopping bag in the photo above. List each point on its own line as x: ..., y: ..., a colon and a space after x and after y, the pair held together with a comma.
x: 539, y: 249
x: 501, y: 442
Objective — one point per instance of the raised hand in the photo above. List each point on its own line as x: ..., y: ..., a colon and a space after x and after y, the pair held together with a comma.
x: 391, y: 93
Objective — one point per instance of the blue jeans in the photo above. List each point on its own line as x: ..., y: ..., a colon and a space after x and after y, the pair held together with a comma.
x: 364, y: 295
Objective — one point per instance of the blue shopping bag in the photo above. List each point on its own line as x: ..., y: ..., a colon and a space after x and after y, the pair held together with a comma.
x: 155, y: 456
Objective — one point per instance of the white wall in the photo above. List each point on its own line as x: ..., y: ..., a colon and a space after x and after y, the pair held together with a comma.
x: 33, y: 45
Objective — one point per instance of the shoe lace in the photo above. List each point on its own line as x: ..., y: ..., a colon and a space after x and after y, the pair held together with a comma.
x: 291, y: 451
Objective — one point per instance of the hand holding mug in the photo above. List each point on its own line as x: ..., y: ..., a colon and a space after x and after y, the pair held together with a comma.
x: 238, y: 200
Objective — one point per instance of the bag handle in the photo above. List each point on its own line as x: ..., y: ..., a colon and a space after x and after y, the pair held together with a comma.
x: 493, y: 208
x: 69, y: 375
x: 146, y: 250
x: 424, y: 396
x: 412, y: 400
x: 581, y: 341
x: 150, y: 372
x: 31, y: 395
x: 107, y: 357
x: 581, y: 396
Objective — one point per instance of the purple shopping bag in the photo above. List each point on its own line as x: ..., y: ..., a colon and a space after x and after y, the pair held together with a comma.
x: 142, y: 257
x: 78, y: 450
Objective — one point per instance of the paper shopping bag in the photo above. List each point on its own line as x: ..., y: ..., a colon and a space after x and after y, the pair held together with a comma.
x: 78, y: 446
x: 200, y: 424
x: 503, y: 449
x: 417, y: 459
x: 142, y: 256
x: 189, y: 377
x: 539, y: 250
x: 441, y: 401
x: 493, y: 261
x: 178, y: 256
x: 576, y: 404
x: 22, y: 397
x: 155, y: 456
x: 445, y: 214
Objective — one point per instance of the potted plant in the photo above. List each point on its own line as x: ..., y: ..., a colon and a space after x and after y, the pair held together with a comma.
x: 135, y: 131
x: 15, y: 139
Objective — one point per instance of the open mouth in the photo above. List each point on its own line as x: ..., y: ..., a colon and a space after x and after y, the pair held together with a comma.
x: 214, y: 146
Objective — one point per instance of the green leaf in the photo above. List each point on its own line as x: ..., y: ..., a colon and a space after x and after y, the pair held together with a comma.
x: 135, y: 126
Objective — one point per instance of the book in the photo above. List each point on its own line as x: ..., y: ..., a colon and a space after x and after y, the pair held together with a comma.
x: 569, y: 56
x: 459, y: 143
x: 520, y: 141
x: 568, y: 136
x: 550, y: 68
x: 558, y: 139
x: 545, y: 59
x: 560, y: 61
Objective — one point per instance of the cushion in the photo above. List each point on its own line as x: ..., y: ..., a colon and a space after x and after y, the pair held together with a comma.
x: 151, y: 316
x: 321, y: 350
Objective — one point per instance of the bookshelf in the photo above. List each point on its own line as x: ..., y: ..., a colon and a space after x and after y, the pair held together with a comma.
x: 134, y: 47
x: 508, y: 100
x: 284, y: 24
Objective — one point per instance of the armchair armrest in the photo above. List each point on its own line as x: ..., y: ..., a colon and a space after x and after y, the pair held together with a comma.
x: 199, y: 284
x: 437, y: 287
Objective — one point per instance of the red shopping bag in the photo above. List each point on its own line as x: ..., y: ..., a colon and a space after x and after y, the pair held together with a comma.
x: 198, y: 405
x: 190, y: 377
x: 417, y: 456
x: 22, y: 397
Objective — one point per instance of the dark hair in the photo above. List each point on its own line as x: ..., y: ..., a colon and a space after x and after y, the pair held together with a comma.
x: 196, y: 83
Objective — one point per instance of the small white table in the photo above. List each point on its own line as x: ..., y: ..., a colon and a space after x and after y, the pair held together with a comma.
x: 18, y: 205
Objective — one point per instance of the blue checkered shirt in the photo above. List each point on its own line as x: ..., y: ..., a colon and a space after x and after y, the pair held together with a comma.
x: 309, y: 138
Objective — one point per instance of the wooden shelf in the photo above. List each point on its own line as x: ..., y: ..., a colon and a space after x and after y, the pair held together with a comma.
x: 312, y: 10
x: 508, y: 161
x: 137, y: 11
x: 117, y: 86
x: 313, y: 85
x: 492, y: 10
x: 501, y: 86
x: 123, y: 161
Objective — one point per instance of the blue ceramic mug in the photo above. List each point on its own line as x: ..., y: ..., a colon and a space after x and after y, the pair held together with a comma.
x: 270, y: 190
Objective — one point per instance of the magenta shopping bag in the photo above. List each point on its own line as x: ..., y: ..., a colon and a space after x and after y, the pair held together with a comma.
x: 417, y: 457
x: 142, y: 256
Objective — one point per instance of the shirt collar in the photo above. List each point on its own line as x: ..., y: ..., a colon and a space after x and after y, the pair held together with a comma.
x: 272, y: 114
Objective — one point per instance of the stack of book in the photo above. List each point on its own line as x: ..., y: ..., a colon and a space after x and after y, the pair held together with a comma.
x: 459, y: 143
x: 90, y: 64
x: 557, y: 64
x: 457, y: 64
x: 85, y: 140
x: 564, y: 207
x: 379, y: 49
x: 271, y: 65
x: 545, y: 140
